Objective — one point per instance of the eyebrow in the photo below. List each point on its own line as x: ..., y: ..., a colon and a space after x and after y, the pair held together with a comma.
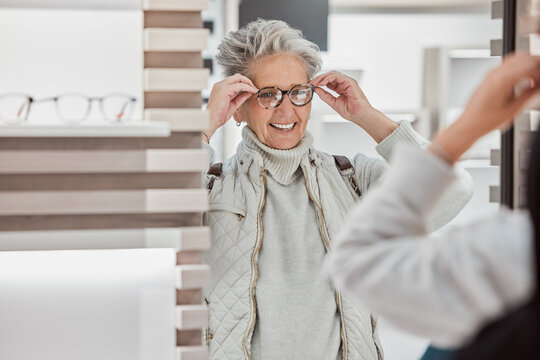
x: 287, y: 88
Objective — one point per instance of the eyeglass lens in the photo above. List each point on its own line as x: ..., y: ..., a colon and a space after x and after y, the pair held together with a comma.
x: 117, y: 107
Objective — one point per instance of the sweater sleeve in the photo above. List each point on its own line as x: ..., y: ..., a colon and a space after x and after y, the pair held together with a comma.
x: 371, y: 171
x: 210, y: 150
x: 441, y: 287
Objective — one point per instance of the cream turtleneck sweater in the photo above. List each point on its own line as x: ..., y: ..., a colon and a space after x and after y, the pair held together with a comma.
x: 297, y: 317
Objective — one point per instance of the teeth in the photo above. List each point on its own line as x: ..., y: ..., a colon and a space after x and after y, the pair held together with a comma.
x: 279, y: 126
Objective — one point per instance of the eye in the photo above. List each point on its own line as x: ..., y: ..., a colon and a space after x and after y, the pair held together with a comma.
x: 266, y: 95
x: 301, y: 93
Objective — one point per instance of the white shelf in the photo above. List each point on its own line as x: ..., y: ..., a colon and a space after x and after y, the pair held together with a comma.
x: 470, y: 53
x: 70, y: 4
x: 476, y: 164
x: 129, y: 129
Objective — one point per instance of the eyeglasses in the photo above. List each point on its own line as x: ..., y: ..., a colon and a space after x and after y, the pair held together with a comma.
x: 70, y: 107
x: 271, y: 97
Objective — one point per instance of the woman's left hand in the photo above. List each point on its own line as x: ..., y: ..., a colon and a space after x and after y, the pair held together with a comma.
x: 352, y: 104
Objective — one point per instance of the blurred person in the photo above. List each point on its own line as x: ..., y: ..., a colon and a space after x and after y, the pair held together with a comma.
x: 277, y: 204
x: 446, y: 287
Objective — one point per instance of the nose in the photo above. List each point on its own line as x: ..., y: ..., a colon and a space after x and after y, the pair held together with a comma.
x: 286, y: 107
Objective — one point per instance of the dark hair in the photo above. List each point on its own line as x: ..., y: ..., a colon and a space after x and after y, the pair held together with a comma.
x: 516, y: 335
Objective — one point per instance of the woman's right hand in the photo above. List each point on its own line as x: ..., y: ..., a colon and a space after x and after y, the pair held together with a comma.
x: 225, y: 98
x: 494, y: 104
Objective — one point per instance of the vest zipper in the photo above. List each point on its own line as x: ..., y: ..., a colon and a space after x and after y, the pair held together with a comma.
x: 257, y: 248
x: 327, y: 244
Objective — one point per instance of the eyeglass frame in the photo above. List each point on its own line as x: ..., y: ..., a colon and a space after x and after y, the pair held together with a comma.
x: 285, y: 92
x: 90, y: 99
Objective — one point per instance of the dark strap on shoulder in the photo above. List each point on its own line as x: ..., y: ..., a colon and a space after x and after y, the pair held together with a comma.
x: 215, y: 170
x: 343, y: 164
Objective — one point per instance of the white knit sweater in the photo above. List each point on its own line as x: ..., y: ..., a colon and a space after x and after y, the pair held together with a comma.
x: 297, y: 316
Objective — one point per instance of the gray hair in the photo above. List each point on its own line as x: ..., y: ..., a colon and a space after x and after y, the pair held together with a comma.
x: 262, y: 38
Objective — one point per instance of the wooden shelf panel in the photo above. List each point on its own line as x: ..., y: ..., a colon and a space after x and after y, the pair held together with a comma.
x: 102, y: 221
x: 496, y: 47
x: 189, y: 257
x: 78, y: 161
x: 175, y: 40
x: 176, y: 79
x: 189, y: 296
x: 192, y: 353
x: 497, y: 9
x: 172, y: 59
x: 183, y: 239
x: 180, y: 119
x: 172, y: 19
x: 192, y: 276
x: 172, y: 99
x: 494, y: 194
x: 182, y: 5
x: 180, y: 138
x: 102, y: 202
x: 189, y: 337
x: 111, y: 181
x: 190, y: 317
x: 495, y: 158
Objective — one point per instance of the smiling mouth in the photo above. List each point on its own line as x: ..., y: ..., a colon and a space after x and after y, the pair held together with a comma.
x: 283, y: 126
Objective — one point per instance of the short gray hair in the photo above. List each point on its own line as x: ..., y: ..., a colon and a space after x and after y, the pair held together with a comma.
x: 262, y: 38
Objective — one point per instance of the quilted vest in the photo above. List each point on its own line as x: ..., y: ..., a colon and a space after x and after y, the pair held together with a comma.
x: 236, y: 201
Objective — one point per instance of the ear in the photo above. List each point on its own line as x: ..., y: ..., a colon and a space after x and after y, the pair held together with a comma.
x: 238, y: 116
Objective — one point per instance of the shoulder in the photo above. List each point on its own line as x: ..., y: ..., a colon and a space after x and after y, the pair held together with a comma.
x: 360, y: 162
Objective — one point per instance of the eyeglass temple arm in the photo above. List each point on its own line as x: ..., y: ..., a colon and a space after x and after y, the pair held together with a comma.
x: 123, y: 109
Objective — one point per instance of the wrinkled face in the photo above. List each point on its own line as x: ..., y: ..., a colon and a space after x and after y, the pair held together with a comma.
x: 272, y: 126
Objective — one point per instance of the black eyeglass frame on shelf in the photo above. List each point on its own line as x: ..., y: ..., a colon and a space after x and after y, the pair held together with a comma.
x: 283, y: 93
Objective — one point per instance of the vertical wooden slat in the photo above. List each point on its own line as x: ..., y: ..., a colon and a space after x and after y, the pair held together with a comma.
x: 174, y: 78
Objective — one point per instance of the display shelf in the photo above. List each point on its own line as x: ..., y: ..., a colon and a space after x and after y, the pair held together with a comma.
x: 88, y: 129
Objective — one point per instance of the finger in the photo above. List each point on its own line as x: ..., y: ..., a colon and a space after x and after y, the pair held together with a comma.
x: 326, y: 97
x: 336, y: 81
x: 239, y: 78
x: 317, y: 78
x: 341, y: 88
x: 321, y: 78
x: 239, y: 99
x: 237, y: 88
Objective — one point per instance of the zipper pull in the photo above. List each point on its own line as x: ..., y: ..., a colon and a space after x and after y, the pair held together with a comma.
x: 208, y: 336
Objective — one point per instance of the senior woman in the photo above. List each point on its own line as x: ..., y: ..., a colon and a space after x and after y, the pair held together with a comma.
x: 276, y: 205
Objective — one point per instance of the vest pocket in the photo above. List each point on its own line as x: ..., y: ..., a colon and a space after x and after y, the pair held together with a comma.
x: 240, y: 214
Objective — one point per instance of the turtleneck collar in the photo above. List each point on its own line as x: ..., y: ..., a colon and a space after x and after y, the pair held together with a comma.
x: 281, y: 164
